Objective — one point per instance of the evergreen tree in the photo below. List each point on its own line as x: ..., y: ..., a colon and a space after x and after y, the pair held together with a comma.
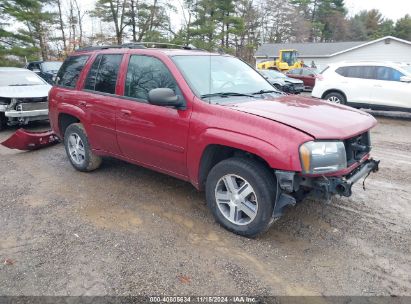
x: 403, y: 28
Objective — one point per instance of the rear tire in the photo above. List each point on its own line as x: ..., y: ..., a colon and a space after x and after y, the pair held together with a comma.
x: 336, y: 97
x: 78, y: 149
x: 245, y: 207
x: 3, y: 121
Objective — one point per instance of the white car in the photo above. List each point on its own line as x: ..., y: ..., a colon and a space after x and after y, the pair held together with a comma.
x: 374, y: 85
x: 23, y: 97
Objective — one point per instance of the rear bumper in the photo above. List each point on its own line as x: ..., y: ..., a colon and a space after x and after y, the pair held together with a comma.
x: 31, y: 113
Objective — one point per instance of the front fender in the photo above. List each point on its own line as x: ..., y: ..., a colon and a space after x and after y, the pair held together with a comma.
x: 275, y: 157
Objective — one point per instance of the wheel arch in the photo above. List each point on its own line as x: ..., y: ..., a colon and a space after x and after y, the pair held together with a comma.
x: 215, y: 153
x: 334, y: 91
x: 64, y: 120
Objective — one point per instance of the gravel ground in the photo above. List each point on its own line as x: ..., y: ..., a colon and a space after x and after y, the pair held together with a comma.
x: 125, y: 230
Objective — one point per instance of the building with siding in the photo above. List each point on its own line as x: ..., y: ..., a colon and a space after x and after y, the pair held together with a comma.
x: 384, y: 49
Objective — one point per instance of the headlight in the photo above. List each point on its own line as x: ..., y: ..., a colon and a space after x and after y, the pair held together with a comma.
x: 318, y: 157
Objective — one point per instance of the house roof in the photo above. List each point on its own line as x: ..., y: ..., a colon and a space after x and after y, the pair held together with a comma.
x: 323, y: 49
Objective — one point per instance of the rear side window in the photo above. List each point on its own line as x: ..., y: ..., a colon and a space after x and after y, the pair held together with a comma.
x: 70, y: 71
x: 388, y: 74
x: 103, y: 73
x: 363, y: 72
x: 146, y: 73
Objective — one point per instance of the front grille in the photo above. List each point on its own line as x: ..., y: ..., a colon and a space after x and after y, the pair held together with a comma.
x: 32, y: 99
x: 357, y: 147
x: 32, y: 106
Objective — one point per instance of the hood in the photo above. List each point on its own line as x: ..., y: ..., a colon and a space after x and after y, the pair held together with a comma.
x: 25, y: 91
x: 294, y: 81
x: 320, y: 119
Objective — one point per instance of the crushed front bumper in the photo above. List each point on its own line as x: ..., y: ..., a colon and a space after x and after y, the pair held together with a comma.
x: 293, y: 186
x: 343, y: 185
x: 26, y: 140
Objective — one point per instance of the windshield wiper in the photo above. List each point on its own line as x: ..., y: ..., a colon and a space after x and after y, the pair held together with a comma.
x: 225, y: 94
x: 265, y: 92
x: 22, y: 84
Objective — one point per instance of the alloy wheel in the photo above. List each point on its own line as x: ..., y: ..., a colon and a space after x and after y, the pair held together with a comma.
x: 76, y: 149
x: 236, y: 199
x: 334, y: 99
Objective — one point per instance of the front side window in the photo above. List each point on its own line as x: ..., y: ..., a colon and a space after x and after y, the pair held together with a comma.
x: 70, y: 71
x: 212, y: 74
x: 146, y: 73
x: 388, y: 74
x: 102, y: 76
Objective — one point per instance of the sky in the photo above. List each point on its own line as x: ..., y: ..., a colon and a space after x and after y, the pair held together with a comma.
x: 392, y: 9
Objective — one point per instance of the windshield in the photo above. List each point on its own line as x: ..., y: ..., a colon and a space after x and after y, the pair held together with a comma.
x: 290, y: 57
x: 51, y: 65
x: 407, y: 68
x: 19, y: 78
x: 273, y: 74
x: 218, y: 74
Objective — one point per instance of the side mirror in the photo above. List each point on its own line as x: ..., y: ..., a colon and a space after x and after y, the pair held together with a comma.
x: 37, y: 71
x: 311, y: 75
x: 405, y: 79
x: 165, y: 97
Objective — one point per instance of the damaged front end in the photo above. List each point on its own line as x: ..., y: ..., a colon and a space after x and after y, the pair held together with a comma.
x: 27, y: 140
x: 346, y: 163
x: 21, y: 111
x: 293, y: 186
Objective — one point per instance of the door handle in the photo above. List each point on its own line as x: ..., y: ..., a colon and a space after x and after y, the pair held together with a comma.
x: 378, y: 86
x: 125, y: 112
x: 83, y: 104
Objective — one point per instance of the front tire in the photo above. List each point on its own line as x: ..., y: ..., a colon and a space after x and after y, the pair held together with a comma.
x: 78, y: 149
x: 241, y: 194
x: 336, y: 97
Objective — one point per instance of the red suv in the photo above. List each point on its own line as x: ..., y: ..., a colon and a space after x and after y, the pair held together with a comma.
x: 212, y: 120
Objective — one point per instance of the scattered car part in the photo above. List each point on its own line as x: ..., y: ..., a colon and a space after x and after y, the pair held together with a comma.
x: 27, y: 140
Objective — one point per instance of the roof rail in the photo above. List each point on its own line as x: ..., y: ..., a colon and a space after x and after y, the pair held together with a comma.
x: 138, y: 45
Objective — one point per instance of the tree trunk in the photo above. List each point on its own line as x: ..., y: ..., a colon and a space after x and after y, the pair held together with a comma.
x: 63, y: 34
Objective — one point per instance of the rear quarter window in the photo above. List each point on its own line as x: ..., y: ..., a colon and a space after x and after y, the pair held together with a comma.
x: 70, y: 71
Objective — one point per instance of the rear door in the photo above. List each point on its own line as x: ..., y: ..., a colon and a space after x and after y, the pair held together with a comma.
x: 99, y: 100
x: 151, y: 135
x: 388, y: 90
x: 356, y: 82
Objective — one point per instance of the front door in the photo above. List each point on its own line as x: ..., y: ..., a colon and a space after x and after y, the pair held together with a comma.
x: 388, y: 90
x: 151, y: 135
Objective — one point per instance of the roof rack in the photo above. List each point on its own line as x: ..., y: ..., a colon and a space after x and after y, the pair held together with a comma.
x: 139, y: 45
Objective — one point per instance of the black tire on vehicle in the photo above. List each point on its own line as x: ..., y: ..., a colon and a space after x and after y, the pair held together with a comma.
x: 262, y: 182
x: 336, y: 97
x: 75, y: 139
x: 3, y: 121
